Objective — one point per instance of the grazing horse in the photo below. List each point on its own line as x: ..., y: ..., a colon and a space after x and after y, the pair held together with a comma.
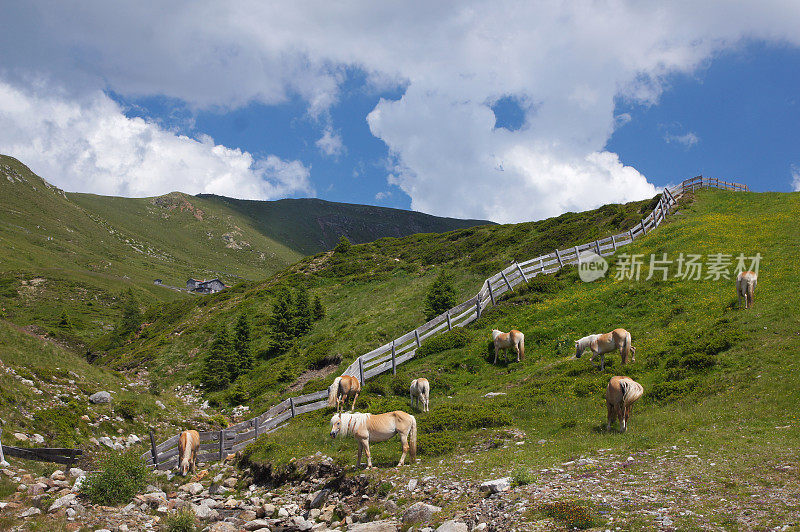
x: 377, y: 428
x: 342, y: 389
x: 188, y: 445
x: 512, y: 339
x: 621, y: 393
x: 746, y: 287
x: 600, y: 344
x: 420, y: 389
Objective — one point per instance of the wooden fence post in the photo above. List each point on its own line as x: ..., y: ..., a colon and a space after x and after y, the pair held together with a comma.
x: 361, y: 369
x: 2, y: 456
x: 558, y: 256
x: 255, y: 427
x: 597, y: 245
x: 416, y: 336
x: 291, y: 405
x: 221, y: 444
x: 478, y: 305
x: 153, y: 449
x: 630, y: 233
x: 506, y: 280
x: 491, y: 294
x: 394, y: 363
x: 577, y: 255
x: 644, y: 229
x: 521, y: 272
x: 449, y: 325
x: 614, y: 243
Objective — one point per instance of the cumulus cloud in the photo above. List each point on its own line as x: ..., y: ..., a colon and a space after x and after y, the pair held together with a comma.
x: 796, y: 178
x: 571, y: 60
x: 687, y: 139
x: 90, y: 145
x: 330, y: 143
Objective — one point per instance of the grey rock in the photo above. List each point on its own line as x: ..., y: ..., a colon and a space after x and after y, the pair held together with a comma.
x: 30, y: 512
x: 256, y: 524
x: 420, y: 512
x: 62, y: 502
x: 496, y: 486
x: 411, y: 484
x: 100, y: 398
x: 204, y: 512
x: 192, y: 487
x: 452, y: 526
x: 300, y: 522
x: 223, y: 526
x: 320, y: 498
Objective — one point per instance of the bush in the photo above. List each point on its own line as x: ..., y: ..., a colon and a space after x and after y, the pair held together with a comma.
x: 463, y: 417
x: 436, y: 444
x: 182, y: 520
x: 127, y: 408
x: 455, y: 339
x: 441, y: 296
x: 343, y: 246
x: 120, y: 477
x: 521, y: 477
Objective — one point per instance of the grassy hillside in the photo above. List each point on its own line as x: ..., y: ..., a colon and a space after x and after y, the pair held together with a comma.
x: 73, y: 254
x: 720, y: 383
x: 372, y: 293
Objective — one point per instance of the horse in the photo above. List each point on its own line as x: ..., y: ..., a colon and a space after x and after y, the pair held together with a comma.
x: 600, y: 344
x: 621, y: 393
x: 512, y: 339
x: 342, y: 389
x: 377, y: 428
x: 188, y: 445
x: 420, y: 389
x: 746, y: 287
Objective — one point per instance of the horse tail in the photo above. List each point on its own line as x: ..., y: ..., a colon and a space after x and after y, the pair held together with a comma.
x: 333, y: 391
x: 631, y: 392
x: 521, y: 346
x: 751, y: 288
x: 626, y: 347
x: 412, y: 439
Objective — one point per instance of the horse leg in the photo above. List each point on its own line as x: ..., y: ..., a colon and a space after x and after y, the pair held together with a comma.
x: 404, y: 442
x: 427, y: 403
x: 602, y: 361
x: 610, y: 407
x: 516, y: 348
x: 360, y: 448
x: 496, y: 349
x: 369, y: 456
x: 353, y: 406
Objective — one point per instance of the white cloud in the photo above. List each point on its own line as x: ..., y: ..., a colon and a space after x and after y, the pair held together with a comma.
x: 796, y: 178
x: 90, y: 145
x: 687, y: 139
x: 570, y: 60
x: 382, y: 195
x: 330, y: 143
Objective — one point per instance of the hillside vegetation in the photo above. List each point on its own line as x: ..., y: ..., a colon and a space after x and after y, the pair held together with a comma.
x: 372, y: 293
x: 67, y: 254
x: 720, y: 383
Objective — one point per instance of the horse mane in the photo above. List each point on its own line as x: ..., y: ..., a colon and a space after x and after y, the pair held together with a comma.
x: 352, y: 422
x: 583, y: 343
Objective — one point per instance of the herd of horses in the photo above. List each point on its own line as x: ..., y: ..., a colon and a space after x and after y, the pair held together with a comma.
x: 621, y: 393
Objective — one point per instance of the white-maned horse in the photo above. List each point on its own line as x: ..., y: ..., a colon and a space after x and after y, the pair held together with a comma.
x: 420, y: 390
x: 600, y: 344
x: 343, y: 388
x: 621, y: 393
x: 366, y: 428
x: 510, y: 340
x: 746, y: 288
x: 188, y: 445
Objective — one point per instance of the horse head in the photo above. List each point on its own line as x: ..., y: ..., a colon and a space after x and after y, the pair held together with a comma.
x: 578, y: 350
x: 184, y: 467
x: 336, y: 425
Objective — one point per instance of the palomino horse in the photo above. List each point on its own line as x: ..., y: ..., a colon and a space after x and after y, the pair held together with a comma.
x: 512, y: 339
x: 746, y: 287
x: 377, y: 428
x: 600, y: 344
x: 188, y: 445
x: 621, y: 393
x: 342, y: 389
x: 420, y: 390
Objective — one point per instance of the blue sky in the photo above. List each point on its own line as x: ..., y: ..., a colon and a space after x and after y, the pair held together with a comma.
x: 502, y: 110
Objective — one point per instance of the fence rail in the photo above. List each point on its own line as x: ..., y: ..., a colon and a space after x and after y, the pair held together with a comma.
x: 58, y: 455
x: 216, y: 445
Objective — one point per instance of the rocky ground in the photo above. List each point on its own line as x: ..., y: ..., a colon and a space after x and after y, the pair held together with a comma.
x: 668, y: 489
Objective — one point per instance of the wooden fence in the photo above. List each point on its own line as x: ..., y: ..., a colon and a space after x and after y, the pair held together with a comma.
x: 40, y: 454
x: 215, y: 445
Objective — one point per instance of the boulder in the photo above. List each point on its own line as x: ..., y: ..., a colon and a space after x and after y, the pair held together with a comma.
x: 223, y: 526
x: 30, y: 512
x: 20, y: 436
x: 301, y: 523
x: 319, y: 498
x: 100, y: 398
x: 192, y: 487
x: 496, y: 486
x: 452, y: 526
x: 420, y: 512
x: 204, y: 512
x: 256, y: 524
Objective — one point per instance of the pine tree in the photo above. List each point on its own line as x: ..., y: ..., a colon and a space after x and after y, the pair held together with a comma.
x: 241, y: 347
x: 343, y: 246
x: 131, y: 315
x: 317, y: 310
x: 302, y: 318
x: 441, y: 296
x: 216, y: 366
x: 63, y: 322
x: 281, y: 323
